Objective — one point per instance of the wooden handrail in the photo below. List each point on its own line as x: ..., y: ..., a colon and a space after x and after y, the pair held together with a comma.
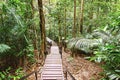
x: 72, y: 77
x: 34, y: 72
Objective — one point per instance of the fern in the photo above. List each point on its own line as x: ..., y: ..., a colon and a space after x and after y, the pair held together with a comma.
x: 118, y: 37
x: 4, y: 48
x: 83, y: 44
x: 102, y: 35
x: 20, y: 27
x: 72, y: 42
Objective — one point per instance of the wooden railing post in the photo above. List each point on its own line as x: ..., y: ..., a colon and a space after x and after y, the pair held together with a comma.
x: 71, y: 75
x: 36, y: 76
x: 66, y: 74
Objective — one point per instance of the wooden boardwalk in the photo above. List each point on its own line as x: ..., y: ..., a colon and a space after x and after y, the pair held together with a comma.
x: 53, y: 69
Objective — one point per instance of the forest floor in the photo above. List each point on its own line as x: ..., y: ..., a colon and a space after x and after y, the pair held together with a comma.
x: 80, y: 68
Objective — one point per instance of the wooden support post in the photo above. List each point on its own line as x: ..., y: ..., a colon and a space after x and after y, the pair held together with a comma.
x: 66, y: 74
x: 36, y: 75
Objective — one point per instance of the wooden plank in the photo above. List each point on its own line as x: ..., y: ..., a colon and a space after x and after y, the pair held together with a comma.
x: 53, y: 62
x: 51, y: 73
x: 51, y: 69
x: 55, y: 75
x: 52, y: 78
x: 53, y: 65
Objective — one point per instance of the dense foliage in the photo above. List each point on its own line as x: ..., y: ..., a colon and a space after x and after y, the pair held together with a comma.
x: 7, y: 75
x: 105, y: 44
x: 20, y: 32
x: 16, y: 34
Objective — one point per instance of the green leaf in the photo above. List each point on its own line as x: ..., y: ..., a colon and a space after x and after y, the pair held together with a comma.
x: 4, y: 48
x: 2, y: 75
x: 112, y: 77
x: 117, y: 71
x: 110, y: 46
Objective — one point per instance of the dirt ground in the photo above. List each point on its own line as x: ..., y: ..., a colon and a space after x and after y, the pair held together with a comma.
x: 80, y: 68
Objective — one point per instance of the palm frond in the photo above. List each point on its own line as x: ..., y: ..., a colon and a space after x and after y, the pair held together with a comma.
x: 72, y: 42
x: 118, y: 36
x: 4, y: 48
x: 83, y: 44
x: 20, y: 27
x: 103, y: 35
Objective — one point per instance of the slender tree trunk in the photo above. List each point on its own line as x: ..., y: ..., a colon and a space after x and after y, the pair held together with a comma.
x: 49, y: 1
x: 49, y: 31
x: 89, y: 30
x: 35, y: 37
x: 59, y: 23
x: 74, y: 27
x: 34, y: 27
x: 42, y: 28
x: 2, y: 20
x: 98, y: 10
x: 65, y: 24
x: 116, y: 1
x: 81, y: 16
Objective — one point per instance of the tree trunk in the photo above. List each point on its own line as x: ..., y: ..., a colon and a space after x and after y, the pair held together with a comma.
x: 49, y: 1
x: 65, y: 24
x: 59, y: 23
x: 42, y: 28
x: 81, y: 16
x: 34, y: 27
x: 74, y: 27
x: 89, y: 29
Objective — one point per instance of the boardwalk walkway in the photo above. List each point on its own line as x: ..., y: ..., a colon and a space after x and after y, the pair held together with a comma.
x: 53, y: 66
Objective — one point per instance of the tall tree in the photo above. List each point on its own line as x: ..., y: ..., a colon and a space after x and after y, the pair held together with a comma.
x: 42, y: 28
x: 74, y: 27
x: 49, y: 1
x: 81, y: 16
x: 59, y: 23
x: 35, y: 35
x: 90, y: 13
x: 65, y: 10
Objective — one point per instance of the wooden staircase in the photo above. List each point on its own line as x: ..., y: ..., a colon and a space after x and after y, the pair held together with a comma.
x: 53, y: 69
